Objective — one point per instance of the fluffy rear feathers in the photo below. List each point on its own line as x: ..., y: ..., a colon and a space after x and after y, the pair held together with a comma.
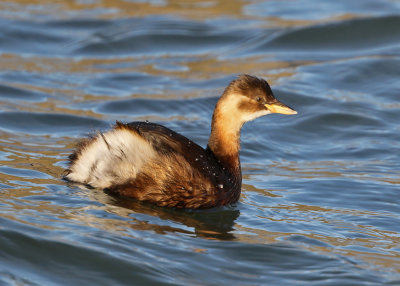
x: 110, y: 158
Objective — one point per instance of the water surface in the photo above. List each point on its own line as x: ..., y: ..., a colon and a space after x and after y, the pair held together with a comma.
x: 320, y: 201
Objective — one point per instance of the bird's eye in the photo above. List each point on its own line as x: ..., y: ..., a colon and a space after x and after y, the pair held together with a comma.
x: 258, y: 98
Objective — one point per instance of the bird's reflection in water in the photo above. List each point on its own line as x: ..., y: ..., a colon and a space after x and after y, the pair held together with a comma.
x: 216, y: 223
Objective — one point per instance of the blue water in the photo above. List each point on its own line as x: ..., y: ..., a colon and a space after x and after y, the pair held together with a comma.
x: 320, y: 201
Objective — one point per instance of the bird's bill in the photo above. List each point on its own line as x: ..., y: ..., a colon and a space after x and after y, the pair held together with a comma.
x: 279, y: 107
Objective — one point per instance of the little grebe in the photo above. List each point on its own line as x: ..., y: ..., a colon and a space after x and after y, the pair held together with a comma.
x: 152, y: 163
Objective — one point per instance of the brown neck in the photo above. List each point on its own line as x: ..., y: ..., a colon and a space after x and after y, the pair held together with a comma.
x: 224, y: 139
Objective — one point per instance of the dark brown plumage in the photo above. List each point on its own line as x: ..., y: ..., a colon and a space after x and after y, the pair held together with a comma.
x: 152, y: 163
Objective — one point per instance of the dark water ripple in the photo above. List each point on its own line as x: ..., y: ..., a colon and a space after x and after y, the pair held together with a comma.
x: 285, y: 261
x: 196, y: 108
x: 344, y: 36
x: 21, y: 94
x: 41, y: 123
x: 29, y: 37
x: 152, y: 36
x: 322, y: 10
x: 333, y: 40
x: 320, y: 199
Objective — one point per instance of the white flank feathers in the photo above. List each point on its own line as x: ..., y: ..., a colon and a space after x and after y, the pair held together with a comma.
x: 111, y: 158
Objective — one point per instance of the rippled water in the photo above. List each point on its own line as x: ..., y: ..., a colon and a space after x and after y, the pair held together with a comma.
x: 320, y: 202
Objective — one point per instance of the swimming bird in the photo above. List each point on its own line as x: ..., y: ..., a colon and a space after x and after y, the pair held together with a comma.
x: 152, y: 163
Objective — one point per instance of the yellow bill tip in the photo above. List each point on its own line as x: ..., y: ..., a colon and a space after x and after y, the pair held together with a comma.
x: 281, y: 108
